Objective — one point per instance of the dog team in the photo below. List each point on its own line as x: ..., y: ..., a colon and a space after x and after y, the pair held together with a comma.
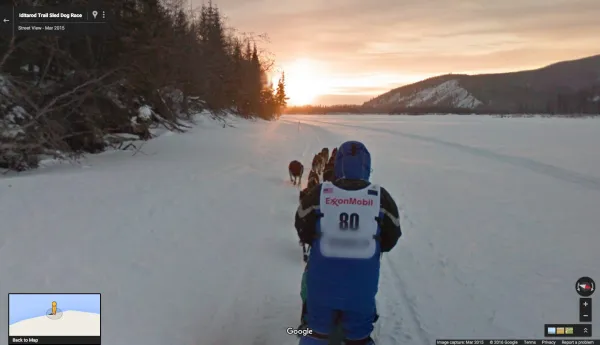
x: 322, y: 169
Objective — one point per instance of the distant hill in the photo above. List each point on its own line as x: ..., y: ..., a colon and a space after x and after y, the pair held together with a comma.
x: 564, y: 87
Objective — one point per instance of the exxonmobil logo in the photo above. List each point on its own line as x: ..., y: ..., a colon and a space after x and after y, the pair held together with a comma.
x: 348, y: 201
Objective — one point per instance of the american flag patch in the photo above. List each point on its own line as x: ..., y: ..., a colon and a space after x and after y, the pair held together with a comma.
x: 372, y: 192
x: 328, y: 190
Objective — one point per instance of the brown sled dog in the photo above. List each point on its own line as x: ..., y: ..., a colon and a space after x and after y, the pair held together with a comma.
x: 313, y: 181
x: 296, y: 169
x: 317, y: 164
x: 325, y: 155
x: 329, y: 172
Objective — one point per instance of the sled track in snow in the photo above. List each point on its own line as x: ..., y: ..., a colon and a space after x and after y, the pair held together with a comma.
x: 317, y: 133
x: 564, y: 175
x: 416, y: 328
x: 400, y: 323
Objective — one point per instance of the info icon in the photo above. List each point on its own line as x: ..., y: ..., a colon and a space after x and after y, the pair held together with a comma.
x: 585, y: 286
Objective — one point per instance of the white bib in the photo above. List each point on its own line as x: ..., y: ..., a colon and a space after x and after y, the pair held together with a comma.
x: 349, y: 224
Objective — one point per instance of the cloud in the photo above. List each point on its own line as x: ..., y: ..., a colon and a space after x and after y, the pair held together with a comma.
x: 422, y: 36
x: 341, y: 99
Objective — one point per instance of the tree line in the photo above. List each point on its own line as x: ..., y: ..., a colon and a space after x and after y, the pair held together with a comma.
x: 580, y: 103
x: 159, y: 64
x: 338, y: 109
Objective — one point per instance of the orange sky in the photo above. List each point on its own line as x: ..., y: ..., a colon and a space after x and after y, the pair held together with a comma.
x: 347, y: 51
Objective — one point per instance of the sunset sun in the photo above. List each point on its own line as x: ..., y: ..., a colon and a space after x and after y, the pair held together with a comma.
x: 303, y: 84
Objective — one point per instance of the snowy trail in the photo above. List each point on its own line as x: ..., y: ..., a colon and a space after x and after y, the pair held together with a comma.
x: 588, y: 182
x: 275, y: 276
x: 494, y: 241
x: 193, y: 243
x: 190, y: 244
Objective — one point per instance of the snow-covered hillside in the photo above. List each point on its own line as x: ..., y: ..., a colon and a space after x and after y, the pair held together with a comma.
x: 448, y: 93
x: 191, y: 241
x: 561, y: 88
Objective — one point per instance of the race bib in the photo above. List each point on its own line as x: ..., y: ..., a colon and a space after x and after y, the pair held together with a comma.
x: 349, y: 223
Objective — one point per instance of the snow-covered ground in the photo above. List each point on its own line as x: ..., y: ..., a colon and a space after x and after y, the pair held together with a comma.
x: 192, y: 242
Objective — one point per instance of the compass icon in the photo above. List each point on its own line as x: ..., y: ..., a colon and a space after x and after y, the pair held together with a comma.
x: 585, y: 286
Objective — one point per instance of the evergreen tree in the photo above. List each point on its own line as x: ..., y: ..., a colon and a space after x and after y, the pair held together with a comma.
x: 253, y: 82
x: 236, y: 79
x: 157, y: 54
x: 268, y: 103
x: 280, y: 96
x: 216, y: 58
